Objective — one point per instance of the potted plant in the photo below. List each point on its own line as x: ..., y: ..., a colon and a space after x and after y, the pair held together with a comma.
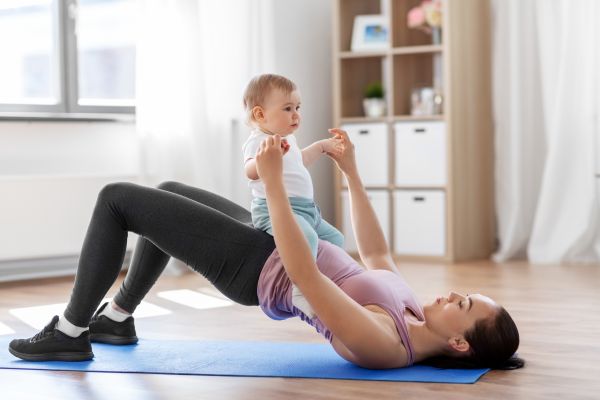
x: 374, y: 102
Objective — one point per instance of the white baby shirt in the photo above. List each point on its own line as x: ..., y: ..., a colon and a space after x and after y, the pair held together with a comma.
x: 296, y: 178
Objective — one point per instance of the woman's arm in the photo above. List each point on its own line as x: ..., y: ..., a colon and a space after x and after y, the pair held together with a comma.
x: 353, y: 325
x: 372, y: 247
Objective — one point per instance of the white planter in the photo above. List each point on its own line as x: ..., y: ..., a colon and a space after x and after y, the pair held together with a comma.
x: 374, y: 107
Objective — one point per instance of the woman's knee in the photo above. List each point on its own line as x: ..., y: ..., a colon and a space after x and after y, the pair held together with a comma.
x: 115, y: 190
x: 169, y: 186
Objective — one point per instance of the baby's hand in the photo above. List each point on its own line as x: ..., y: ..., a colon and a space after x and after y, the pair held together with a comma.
x: 285, y: 146
x: 333, y: 146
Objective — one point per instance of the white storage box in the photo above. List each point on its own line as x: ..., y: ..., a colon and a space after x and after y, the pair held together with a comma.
x: 420, y: 222
x: 380, y: 202
x: 420, y: 153
x: 371, y: 149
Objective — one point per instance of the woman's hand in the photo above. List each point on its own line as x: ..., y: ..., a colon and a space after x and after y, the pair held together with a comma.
x: 332, y: 146
x: 269, y: 163
x: 344, y: 158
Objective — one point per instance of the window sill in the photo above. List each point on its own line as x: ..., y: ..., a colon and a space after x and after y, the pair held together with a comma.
x: 61, y: 117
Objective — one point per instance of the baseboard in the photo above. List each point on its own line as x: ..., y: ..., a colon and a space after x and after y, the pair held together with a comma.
x: 48, y: 267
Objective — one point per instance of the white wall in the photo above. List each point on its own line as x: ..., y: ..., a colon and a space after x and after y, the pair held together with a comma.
x: 50, y: 172
x: 303, y: 54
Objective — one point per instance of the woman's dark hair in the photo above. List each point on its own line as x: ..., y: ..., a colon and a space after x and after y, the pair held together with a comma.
x: 493, y: 343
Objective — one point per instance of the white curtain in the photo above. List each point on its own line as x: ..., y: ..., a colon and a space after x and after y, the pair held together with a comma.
x: 194, y: 58
x: 546, y: 60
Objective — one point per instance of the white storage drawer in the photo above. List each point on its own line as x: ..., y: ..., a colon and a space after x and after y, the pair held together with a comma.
x: 420, y: 222
x: 420, y: 153
x: 371, y: 149
x: 380, y: 202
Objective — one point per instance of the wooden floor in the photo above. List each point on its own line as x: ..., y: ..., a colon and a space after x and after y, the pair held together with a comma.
x: 557, y: 309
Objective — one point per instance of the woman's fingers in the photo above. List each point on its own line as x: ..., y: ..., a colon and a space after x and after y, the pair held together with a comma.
x: 272, y: 141
x: 339, y: 132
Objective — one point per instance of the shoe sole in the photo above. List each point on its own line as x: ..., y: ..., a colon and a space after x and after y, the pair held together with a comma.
x: 63, y: 356
x: 112, y: 339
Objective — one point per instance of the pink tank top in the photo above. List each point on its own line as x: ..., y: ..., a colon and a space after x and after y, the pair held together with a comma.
x: 383, y: 288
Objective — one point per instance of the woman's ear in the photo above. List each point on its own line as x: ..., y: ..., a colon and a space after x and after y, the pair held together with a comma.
x: 258, y: 113
x: 459, y: 344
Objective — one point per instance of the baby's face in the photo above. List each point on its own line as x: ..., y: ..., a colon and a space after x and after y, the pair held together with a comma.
x: 281, y: 113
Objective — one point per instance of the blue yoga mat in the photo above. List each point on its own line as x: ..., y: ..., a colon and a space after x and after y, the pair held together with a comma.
x: 236, y: 358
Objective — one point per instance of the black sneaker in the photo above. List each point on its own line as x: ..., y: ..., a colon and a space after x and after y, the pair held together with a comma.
x: 52, y: 345
x: 105, y: 330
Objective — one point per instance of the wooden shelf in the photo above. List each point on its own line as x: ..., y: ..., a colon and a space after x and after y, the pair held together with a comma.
x: 411, y: 71
x: 417, y: 187
x: 349, y: 9
x: 439, y: 117
x: 433, y: 48
x: 356, y: 74
x: 363, y: 120
x: 459, y: 69
x: 363, y: 54
x: 396, y: 187
x: 395, y: 118
x: 402, y: 35
x: 370, y: 187
x: 407, y: 50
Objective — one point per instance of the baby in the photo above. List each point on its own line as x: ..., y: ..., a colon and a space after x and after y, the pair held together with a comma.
x: 273, y: 106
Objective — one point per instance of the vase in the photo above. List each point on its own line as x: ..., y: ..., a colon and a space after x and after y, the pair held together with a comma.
x: 374, y: 107
x: 436, y: 35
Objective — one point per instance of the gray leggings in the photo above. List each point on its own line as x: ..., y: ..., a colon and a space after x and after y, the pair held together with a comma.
x: 211, y: 234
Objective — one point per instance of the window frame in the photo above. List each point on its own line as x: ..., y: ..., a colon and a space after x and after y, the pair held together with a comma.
x: 65, y: 13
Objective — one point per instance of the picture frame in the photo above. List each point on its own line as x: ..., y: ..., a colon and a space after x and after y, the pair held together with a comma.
x: 370, y: 33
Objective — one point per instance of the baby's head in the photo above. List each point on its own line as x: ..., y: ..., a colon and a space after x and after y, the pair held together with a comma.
x: 272, y: 103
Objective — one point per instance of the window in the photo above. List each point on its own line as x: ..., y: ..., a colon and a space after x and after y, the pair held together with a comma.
x: 67, y: 56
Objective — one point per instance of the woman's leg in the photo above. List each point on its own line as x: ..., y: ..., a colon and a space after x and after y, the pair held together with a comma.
x: 149, y: 261
x: 226, y: 251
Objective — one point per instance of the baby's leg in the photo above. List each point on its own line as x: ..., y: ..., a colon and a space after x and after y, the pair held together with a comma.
x: 328, y: 232
x: 262, y: 221
x: 260, y: 216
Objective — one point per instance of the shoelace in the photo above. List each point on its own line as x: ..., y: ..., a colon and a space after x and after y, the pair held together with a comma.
x: 44, y: 332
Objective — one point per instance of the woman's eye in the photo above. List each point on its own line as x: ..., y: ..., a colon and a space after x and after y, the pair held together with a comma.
x: 460, y: 305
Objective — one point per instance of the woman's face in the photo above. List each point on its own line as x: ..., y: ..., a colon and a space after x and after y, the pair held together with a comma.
x: 452, y: 316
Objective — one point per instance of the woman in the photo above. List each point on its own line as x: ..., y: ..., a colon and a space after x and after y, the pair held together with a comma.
x: 371, y: 318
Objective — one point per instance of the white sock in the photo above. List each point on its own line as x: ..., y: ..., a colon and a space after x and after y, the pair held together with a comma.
x: 68, y: 328
x: 113, y: 314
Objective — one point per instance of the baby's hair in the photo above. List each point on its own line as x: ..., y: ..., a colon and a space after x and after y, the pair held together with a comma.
x: 260, y: 86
